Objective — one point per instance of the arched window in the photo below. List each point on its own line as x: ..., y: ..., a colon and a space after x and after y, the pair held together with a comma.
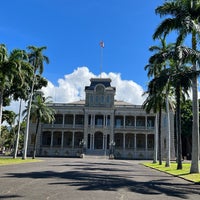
x: 46, y: 138
x: 78, y: 136
x: 67, y: 141
x: 118, y: 140
x: 57, y: 137
x: 150, y: 141
x: 140, y: 141
x: 129, y: 141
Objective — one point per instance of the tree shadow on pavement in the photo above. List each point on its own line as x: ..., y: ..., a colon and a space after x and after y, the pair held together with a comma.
x: 91, y: 180
x: 9, y: 196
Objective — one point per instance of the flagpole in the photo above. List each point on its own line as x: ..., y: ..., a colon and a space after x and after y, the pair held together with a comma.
x: 101, y: 56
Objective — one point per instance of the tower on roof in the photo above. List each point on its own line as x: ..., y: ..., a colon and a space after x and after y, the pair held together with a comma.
x: 100, y: 93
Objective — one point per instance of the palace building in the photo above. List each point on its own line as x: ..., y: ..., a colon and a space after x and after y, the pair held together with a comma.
x: 101, y: 126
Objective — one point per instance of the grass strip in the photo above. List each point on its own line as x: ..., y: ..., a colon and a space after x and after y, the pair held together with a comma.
x: 183, y: 173
x: 11, y: 161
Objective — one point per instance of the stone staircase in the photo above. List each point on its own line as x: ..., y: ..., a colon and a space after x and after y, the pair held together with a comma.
x: 96, y: 154
x: 95, y: 157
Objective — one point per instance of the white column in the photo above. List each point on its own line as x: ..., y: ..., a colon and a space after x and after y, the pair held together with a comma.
x: 104, y: 141
x: 74, y: 121
x: 135, y: 121
x: 135, y: 142
x: 145, y: 122
x: 73, y: 139
x: 92, y: 141
x: 93, y: 120
x: 51, y: 138
x: 62, y: 139
x: 124, y: 141
x: 63, y: 120
x: 146, y: 141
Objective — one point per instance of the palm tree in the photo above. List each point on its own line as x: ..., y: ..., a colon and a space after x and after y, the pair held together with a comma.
x: 180, y: 80
x: 154, y: 102
x: 179, y: 77
x: 36, y: 59
x: 156, y: 64
x: 40, y: 111
x: 185, y: 17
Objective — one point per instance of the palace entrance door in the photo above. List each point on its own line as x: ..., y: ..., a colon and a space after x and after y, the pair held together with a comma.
x: 98, y: 140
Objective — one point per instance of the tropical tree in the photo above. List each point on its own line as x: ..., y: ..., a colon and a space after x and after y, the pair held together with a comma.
x: 155, y: 102
x: 41, y: 112
x: 179, y: 76
x: 186, y: 126
x: 156, y: 98
x: 184, y: 17
x: 36, y: 59
x: 10, y: 67
x: 20, y: 93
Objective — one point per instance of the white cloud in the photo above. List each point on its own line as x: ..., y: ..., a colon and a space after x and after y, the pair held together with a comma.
x: 71, y: 87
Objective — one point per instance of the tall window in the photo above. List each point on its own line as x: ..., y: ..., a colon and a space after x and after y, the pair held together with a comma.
x: 58, y: 119
x: 67, y: 139
x: 140, y: 141
x: 57, y: 137
x: 79, y: 119
x: 46, y: 138
x: 69, y: 119
x: 150, y: 122
x: 99, y: 120
x: 119, y: 140
x: 78, y: 136
x: 140, y: 121
x: 150, y: 141
x: 108, y: 120
x: 129, y: 141
x: 130, y: 121
x: 118, y: 121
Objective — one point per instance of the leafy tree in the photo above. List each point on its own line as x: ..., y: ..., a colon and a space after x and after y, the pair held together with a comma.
x: 186, y: 126
x: 9, y: 117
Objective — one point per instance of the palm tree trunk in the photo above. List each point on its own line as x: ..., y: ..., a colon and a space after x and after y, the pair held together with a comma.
x: 195, y: 124
x: 1, y: 108
x: 18, y: 130
x: 168, y: 134
x: 178, y: 123
x: 24, y: 156
x: 159, y: 137
x: 35, y: 139
x: 155, y: 157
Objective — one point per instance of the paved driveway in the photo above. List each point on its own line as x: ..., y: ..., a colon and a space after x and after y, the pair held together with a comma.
x: 91, y: 179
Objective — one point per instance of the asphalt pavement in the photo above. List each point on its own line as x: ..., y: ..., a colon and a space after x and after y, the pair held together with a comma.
x: 91, y: 179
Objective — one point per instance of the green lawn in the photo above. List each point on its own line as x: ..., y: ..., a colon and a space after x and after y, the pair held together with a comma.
x: 184, y: 173
x: 11, y: 161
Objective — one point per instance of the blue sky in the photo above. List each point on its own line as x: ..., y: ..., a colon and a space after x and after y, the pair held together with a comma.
x: 72, y: 30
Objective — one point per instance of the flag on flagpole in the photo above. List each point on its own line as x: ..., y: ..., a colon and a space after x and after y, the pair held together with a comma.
x: 101, y: 44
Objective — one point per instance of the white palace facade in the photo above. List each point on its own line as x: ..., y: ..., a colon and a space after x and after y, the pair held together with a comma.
x: 99, y: 125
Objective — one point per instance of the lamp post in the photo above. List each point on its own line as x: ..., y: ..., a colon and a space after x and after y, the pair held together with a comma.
x: 82, y: 146
x: 112, y: 146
